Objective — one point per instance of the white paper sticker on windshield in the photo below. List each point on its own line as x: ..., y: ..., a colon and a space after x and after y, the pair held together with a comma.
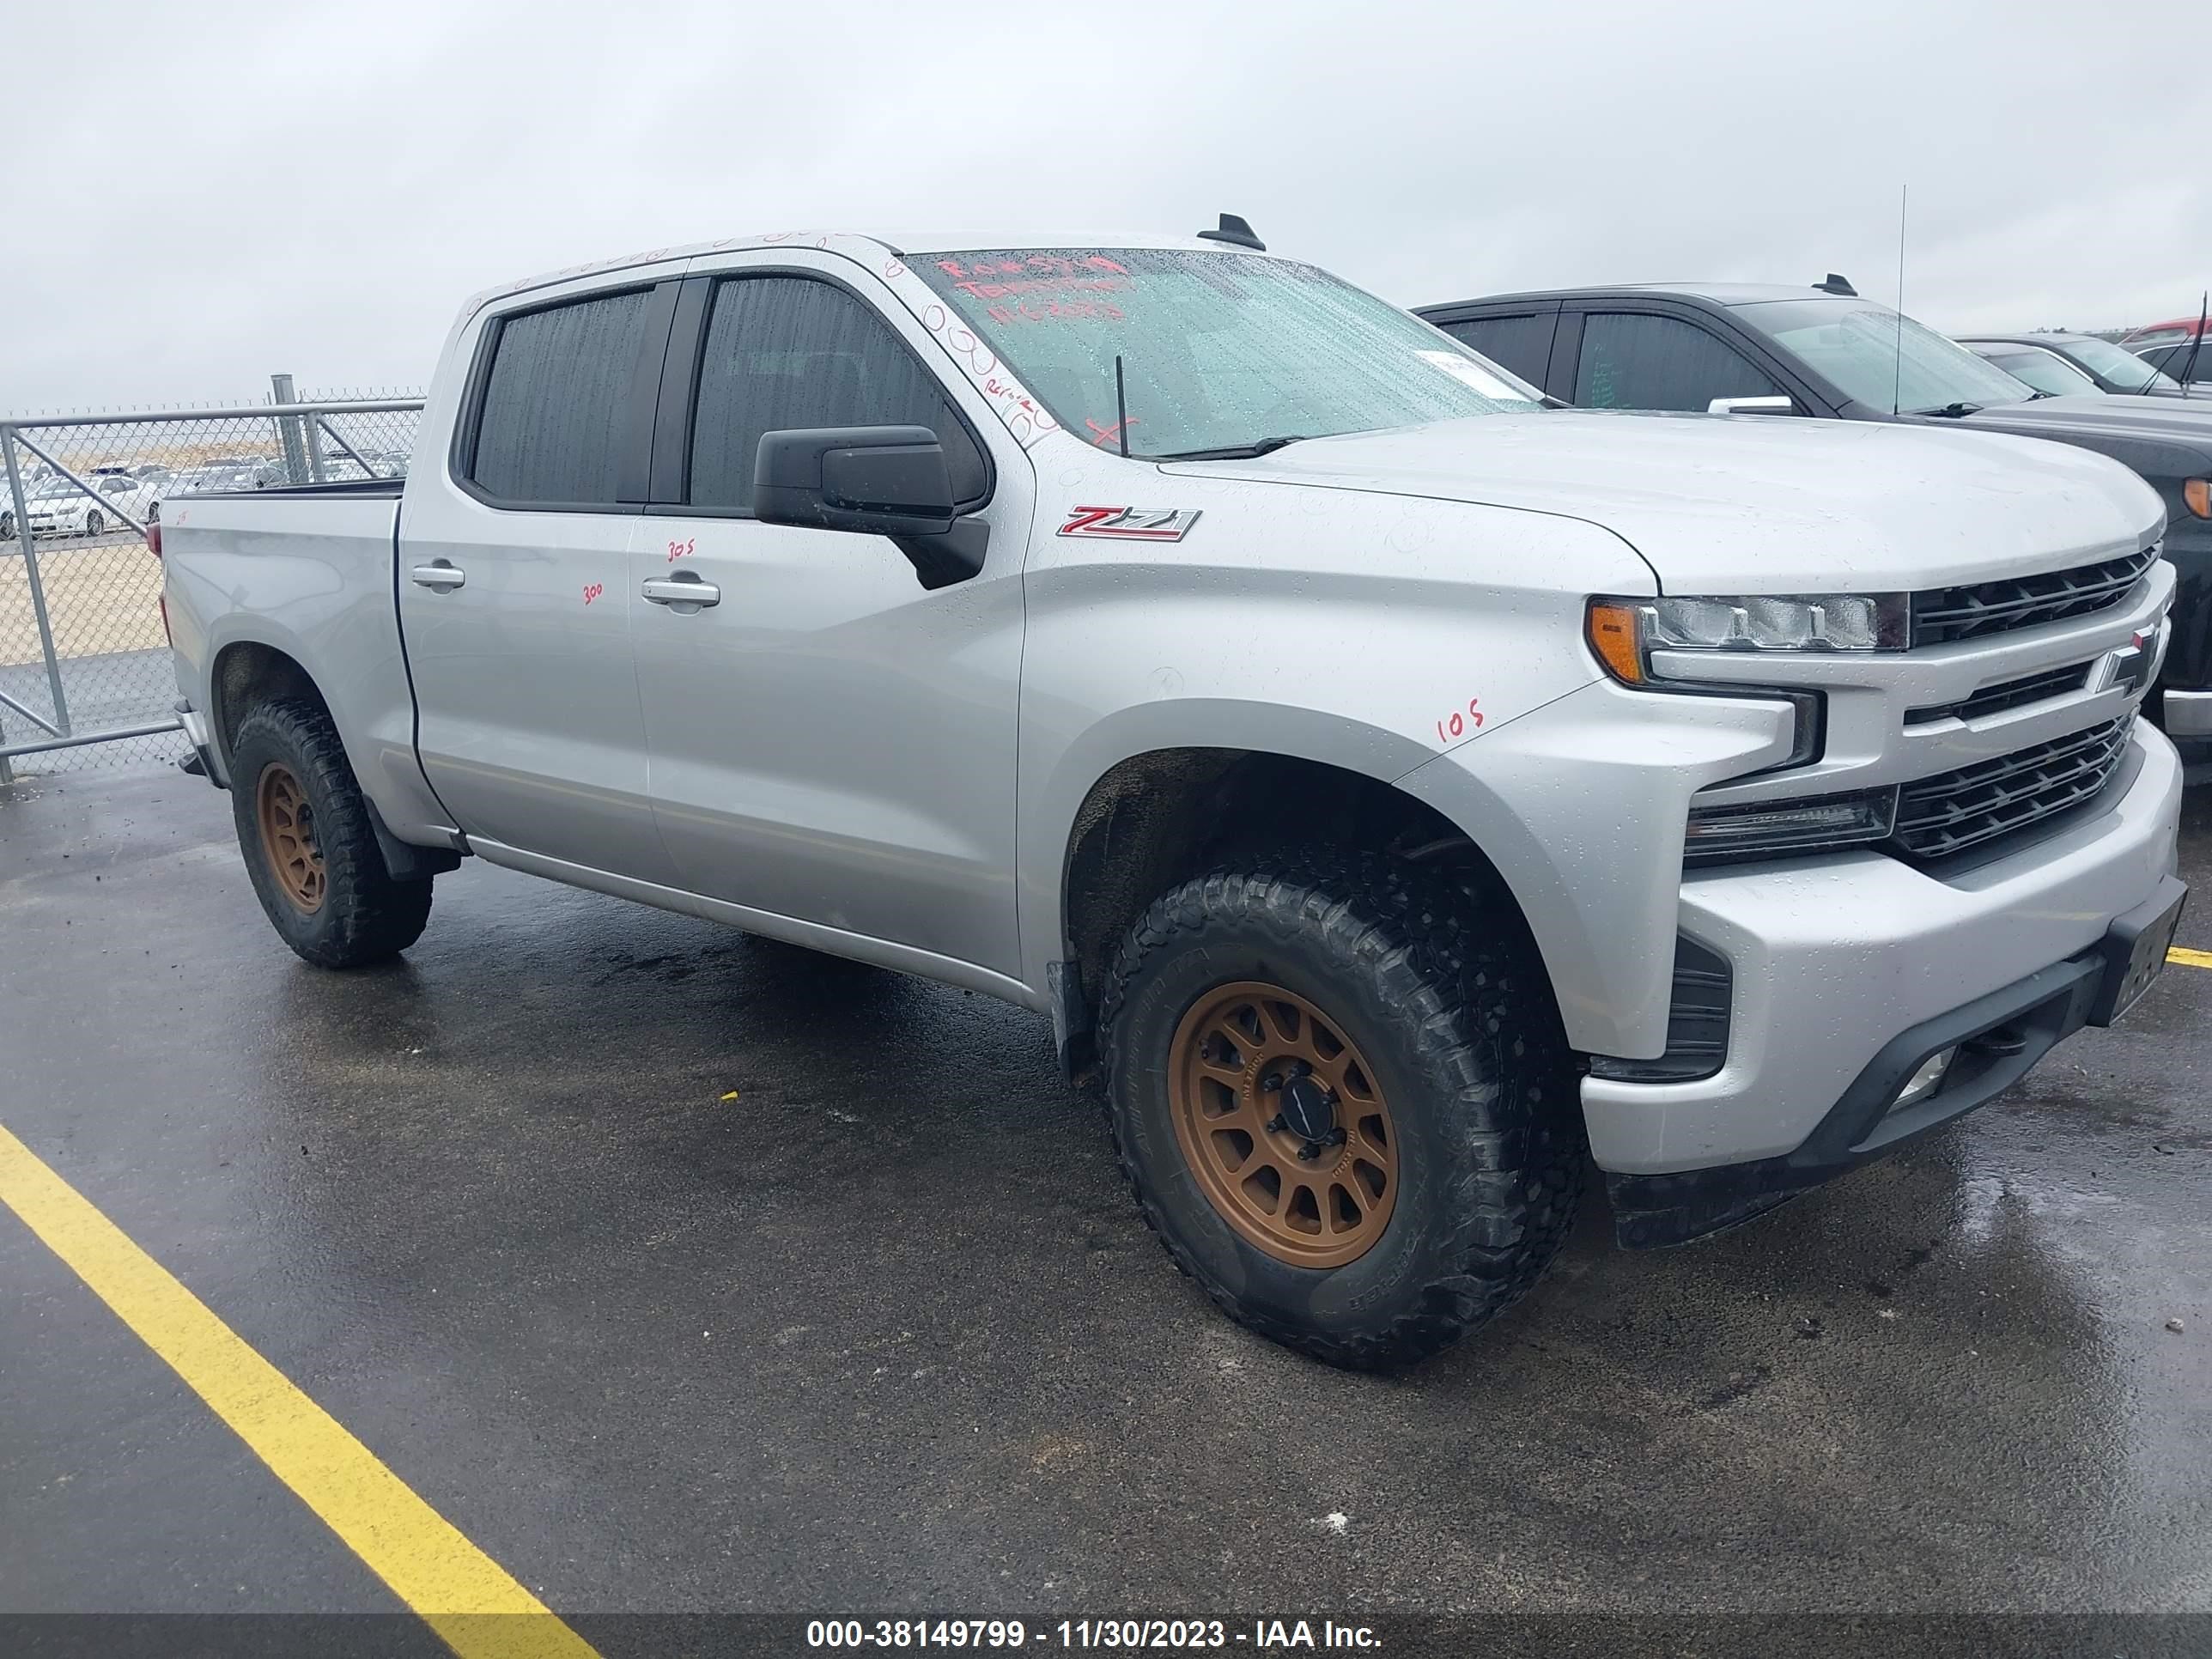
x: 1469, y: 373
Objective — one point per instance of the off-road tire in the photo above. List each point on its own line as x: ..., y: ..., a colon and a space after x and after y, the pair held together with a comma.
x: 1451, y: 1009
x: 363, y: 916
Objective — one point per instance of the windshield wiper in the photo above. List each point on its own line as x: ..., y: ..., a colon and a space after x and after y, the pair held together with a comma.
x: 1231, y: 452
x: 1948, y: 411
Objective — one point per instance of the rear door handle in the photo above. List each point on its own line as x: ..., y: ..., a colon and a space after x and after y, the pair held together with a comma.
x: 439, y: 574
x: 686, y: 593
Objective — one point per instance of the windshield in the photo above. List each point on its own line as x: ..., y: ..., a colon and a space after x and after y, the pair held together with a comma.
x: 2103, y: 358
x: 1874, y: 356
x: 1217, y: 350
x: 2040, y: 369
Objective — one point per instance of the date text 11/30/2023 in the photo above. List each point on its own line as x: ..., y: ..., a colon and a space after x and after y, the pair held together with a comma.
x: 1261, y: 1635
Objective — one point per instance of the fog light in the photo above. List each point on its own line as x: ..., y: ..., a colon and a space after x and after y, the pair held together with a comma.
x: 1820, y: 823
x: 1925, y: 1081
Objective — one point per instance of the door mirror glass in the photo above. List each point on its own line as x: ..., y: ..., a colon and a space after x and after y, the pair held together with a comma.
x: 872, y: 480
x: 1751, y: 406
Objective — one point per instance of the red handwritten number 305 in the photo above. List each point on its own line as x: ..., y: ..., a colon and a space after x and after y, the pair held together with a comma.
x: 1460, y: 724
x: 593, y: 592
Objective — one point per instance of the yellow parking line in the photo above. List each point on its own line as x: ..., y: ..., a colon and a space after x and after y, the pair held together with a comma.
x: 462, y: 1593
x: 2189, y: 958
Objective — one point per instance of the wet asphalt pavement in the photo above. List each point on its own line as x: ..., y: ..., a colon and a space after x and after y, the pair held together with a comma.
x: 884, y: 1331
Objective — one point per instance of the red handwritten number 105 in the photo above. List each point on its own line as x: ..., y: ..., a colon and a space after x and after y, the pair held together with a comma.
x: 1460, y: 724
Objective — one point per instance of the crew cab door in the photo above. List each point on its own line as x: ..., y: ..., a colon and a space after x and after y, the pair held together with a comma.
x: 1638, y: 358
x: 830, y: 742
x: 514, y: 601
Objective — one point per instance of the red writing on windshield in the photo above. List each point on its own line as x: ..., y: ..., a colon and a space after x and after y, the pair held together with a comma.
x: 1048, y: 265
x: 1057, y: 311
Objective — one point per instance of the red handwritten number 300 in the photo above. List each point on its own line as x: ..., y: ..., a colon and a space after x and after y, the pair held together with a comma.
x: 593, y: 592
x: 1460, y: 724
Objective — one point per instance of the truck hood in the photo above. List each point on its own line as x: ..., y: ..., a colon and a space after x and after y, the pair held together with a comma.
x: 1752, y: 503
x: 2158, y: 436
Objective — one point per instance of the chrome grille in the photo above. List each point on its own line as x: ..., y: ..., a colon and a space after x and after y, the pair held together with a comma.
x: 1943, y: 614
x: 1940, y: 817
x: 2009, y: 693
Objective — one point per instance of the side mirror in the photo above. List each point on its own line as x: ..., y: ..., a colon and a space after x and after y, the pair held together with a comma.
x: 1751, y: 406
x: 873, y: 481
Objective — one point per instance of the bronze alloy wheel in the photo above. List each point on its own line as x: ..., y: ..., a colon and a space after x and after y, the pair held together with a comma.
x: 1283, y: 1125
x: 288, y: 836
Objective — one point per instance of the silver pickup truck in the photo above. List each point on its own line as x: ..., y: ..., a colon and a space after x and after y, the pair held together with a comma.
x: 1395, y: 785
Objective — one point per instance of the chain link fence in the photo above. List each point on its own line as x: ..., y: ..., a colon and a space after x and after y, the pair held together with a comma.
x: 85, y: 680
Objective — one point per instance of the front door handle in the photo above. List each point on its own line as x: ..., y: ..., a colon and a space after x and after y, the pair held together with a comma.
x: 439, y: 574
x: 685, y: 593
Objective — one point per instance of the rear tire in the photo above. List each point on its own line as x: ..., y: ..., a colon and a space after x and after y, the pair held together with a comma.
x: 1408, y: 996
x: 94, y: 524
x: 310, y: 845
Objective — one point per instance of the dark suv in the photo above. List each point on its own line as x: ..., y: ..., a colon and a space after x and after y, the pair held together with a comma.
x: 1824, y: 352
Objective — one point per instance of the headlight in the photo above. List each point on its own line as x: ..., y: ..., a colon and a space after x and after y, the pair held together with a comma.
x: 1623, y: 633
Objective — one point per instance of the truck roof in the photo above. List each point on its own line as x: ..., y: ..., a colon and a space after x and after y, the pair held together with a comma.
x: 1724, y: 293
x: 866, y: 247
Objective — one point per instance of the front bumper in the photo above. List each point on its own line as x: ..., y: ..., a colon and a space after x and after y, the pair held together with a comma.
x: 1835, y: 960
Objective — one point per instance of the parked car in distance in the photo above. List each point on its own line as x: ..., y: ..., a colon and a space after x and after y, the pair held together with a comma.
x: 59, y: 507
x: 2039, y: 371
x: 2151, y: 335
x: 2185, y: 362
x: 2041, y: 360
x: 1827, y: 354
x: 1397, y: 783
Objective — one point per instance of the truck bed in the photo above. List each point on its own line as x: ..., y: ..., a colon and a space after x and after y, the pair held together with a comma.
x: 305, y: 573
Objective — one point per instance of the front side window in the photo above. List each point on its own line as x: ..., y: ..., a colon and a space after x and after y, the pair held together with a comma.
x: 1522, y: 344
x: 555, y: 399
x: 791, y: 352
x: 1634, y: 361
x: 1217, y: 351
x: 1878, y: 358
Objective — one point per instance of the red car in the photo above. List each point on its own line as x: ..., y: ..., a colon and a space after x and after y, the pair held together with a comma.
x: 2169, y: 346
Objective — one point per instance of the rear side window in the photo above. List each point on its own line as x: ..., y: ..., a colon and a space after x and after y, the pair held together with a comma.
x: 1634, y: 361
x: 788, y: 352
x: 1522, y: 344
x: 556, y: 398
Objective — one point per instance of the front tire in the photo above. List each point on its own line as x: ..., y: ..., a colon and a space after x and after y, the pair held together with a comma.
x: 94, y: 524
x: 310, y: 846
x: 1345, y: 1104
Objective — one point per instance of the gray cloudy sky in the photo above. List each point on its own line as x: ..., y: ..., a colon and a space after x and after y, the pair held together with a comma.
x: 222, y: 191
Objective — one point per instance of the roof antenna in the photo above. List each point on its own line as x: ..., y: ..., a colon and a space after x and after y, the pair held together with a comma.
x: 1120, y: 408
x: 1897, y: 377
x: 1235, y: 232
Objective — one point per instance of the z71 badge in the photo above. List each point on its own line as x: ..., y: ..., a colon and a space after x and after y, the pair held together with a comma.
x: 1131, y: 524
